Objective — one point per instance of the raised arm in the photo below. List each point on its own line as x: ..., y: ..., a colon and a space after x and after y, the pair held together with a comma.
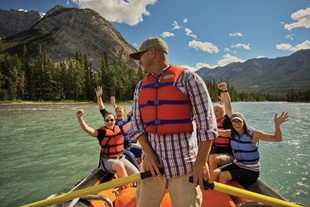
x: 225, y: 98
x: 92, y: 132
x: 99, y: 97
x: 277, y: 136
x: 112, y: 99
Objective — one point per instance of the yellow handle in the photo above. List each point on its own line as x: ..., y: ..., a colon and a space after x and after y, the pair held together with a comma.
x: 86, y: 191
x: 252, y: 196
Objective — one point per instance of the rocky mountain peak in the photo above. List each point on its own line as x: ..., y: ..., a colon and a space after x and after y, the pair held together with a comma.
x: 65, y: 31
x: 13, y: 21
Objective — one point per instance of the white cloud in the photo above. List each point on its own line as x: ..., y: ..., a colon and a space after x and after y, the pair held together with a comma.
x: 176, y: 25
x: 226, y: 49
x: 236, y: 34
x: 290, y: 36
x: 198, y: 66
x: 201, y: 65
x: 189, y: 33
x: 244, y: 46
x: 204, y: 46
x: 302, y: 19
x: 189, y: 67
x: 130, y: 12
x: 167, y: 34
x: 227, y: 59
x: 286, y: 46
x: 185, y: 21
x: 260, y: 56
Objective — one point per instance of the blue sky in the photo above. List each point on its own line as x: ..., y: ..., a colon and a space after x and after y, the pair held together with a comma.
x: 201, y: 32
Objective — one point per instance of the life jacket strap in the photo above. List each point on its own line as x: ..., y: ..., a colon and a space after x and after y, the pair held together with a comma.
x: 160, y: 102
x: 158, y: 85
x: 159, y: 122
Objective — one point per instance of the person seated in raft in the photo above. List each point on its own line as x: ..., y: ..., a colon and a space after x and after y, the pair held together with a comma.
x: 221, y: 153
x: 244, y: 143
x: 111, y: 140
x: 130, y: 152
x: 121, y: 120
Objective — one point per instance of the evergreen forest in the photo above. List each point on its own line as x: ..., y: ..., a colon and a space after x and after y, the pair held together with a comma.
x: 41, y: 79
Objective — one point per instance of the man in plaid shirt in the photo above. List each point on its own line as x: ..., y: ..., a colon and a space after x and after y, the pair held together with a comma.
x: 180, y: 145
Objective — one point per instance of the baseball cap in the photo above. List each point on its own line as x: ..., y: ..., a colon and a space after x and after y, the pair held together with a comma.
x: 152, y: 42
x: 238, y: 116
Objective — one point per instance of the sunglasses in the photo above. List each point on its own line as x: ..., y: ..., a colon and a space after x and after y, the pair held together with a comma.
x: 107, y: 120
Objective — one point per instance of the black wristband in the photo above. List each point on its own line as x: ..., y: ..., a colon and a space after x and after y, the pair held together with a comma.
x: 224, y: 91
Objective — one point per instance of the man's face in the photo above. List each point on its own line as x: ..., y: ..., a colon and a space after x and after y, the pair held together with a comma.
x: 219, y: 112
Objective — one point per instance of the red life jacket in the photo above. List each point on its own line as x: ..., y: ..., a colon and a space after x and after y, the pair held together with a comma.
x: 164, y: 108
x: 112, y: 144
x: 221, y: 141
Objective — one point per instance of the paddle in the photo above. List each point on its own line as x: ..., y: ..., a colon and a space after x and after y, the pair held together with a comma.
x: 91, y: 190
x: 267, y: 200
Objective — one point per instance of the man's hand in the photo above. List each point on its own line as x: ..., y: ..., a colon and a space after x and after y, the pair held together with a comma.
x: 200, y: 173
x: 222, y: 86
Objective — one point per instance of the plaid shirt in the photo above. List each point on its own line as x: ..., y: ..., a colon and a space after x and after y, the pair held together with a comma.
x: 177, y: 152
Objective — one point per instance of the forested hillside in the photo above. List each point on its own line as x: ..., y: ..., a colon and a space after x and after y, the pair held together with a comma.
x: 41, y: 79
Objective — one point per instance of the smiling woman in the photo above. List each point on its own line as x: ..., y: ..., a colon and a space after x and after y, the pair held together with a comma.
x: 244, y: 143
x: 111, y: 140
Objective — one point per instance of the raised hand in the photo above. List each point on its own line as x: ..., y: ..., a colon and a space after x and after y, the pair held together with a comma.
x: 112, y: 99
x: 99, y: 91
x: 79, y: 112
x: 222, y: 86
x: 281, y: 119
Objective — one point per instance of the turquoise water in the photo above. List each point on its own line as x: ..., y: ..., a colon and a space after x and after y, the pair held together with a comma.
x: 43, y: 150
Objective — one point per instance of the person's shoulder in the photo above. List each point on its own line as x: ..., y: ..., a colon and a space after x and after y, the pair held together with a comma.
x: 190, y: 74
x: 139, y: 84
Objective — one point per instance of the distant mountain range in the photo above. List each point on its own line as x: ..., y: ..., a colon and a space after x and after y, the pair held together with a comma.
x: 63, y: 32
x: 265, y: 75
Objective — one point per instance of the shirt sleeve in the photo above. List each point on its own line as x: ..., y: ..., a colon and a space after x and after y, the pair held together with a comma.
x: 101, y: 134
x: 227, y: 122
x: 202, y: 108
x: 103, y: 112
x: 136, y: 121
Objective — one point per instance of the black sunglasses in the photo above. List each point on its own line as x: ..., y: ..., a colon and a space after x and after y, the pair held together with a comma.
x: 107, y: 120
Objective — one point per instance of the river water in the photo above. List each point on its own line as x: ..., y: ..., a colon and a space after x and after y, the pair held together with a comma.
x: 43, y: 149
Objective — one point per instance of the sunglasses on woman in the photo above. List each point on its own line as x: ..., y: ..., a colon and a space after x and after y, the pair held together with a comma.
x: 107, y: 120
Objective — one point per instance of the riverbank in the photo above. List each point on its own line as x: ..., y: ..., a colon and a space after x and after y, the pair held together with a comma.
x: 45, y: 102
x: 56, y: 102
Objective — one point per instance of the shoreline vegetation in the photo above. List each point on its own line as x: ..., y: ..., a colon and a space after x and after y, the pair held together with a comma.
x: 53, y: 102
x: 46, y: 102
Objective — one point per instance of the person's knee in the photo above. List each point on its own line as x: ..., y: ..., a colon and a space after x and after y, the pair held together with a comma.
x: 215, y: 174
x: 212, y: 159
x: 224, y: 177
x: 118, y: 165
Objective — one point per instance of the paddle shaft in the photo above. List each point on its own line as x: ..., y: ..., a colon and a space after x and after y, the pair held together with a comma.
x: 90, y: 190
x: 267, y: 200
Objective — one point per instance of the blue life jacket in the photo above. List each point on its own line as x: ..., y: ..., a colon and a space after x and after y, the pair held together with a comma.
x: 244, y: 150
